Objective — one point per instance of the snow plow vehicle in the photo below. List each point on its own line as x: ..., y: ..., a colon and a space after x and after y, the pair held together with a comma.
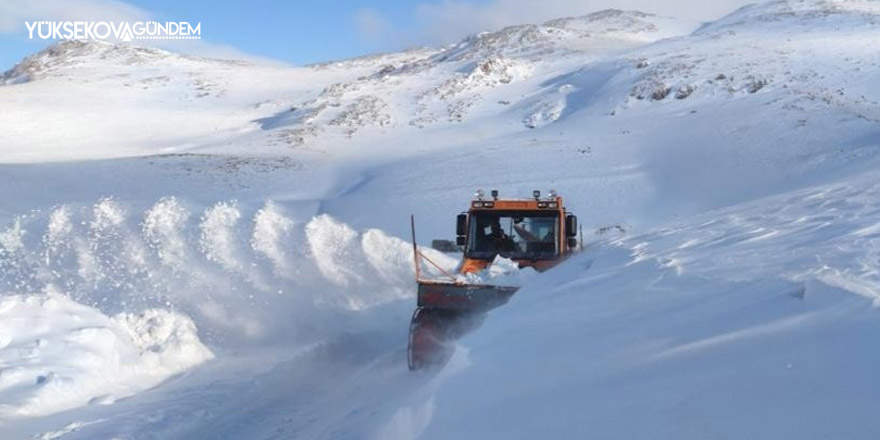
x: 535, y: 232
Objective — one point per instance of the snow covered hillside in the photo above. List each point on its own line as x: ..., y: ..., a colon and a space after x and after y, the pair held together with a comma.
x: 198, y: 248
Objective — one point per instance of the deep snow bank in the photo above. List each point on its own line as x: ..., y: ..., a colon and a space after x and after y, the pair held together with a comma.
x: 56, y: 354
x: 247, y: 278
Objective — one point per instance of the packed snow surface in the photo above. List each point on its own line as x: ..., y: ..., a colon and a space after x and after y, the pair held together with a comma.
x: 198, y: 248
x: 56, y: 354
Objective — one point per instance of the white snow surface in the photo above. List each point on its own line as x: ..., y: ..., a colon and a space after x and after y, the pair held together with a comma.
x: 501, y: 272
x: 197, y: 248
x: 56, y: 354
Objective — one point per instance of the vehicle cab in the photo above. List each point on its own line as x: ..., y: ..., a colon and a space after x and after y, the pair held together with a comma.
x: 534, y: 232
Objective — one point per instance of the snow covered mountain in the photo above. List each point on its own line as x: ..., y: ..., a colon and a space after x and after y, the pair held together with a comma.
x: 228, y: 231
x: 375, y: 93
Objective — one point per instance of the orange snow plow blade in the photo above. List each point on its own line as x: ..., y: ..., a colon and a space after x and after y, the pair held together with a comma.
x: 445, y: 312
x: 463, y: 297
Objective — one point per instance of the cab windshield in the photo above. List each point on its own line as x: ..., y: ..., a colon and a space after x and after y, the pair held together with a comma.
x: 513, y: 235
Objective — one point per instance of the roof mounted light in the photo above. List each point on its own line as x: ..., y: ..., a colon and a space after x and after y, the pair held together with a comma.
x: 552, y: 194
x: 479, y: 194
x: 495, y: 194
x: 536, y: 194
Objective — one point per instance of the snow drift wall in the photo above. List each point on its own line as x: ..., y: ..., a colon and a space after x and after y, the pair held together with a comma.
x: 232, y: 270
x: 100, y: 302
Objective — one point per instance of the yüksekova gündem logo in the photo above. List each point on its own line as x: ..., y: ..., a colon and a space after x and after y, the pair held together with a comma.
x: 107, y: 30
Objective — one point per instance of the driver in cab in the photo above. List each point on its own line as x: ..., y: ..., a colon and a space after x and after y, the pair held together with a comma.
x: 497, y: 240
